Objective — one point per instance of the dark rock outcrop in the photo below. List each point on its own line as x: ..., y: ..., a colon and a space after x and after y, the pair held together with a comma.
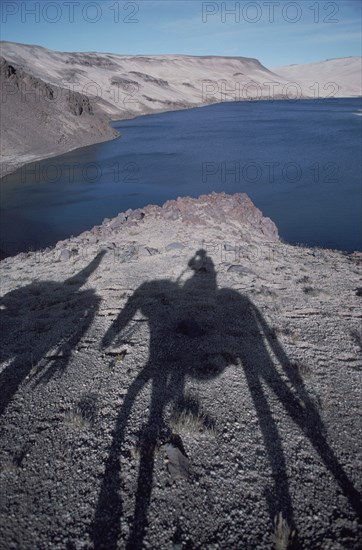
x: 26, y: 83
x: 6, y: 70
x: 79, y: 104
x: 148, y: 78
x: 52, y: 117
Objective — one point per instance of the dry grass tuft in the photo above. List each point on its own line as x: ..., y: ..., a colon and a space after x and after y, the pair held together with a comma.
x: 83, y: 415
x: 8, y: 466
x: 304, y: 280
x: 357, y: 337
x: 310, y: 291
x: 120, y: 356
x: 188, y: 418
x: 302, y: 369
x: 283, y: 535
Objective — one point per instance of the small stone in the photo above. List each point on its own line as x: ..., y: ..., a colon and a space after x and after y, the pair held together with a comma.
x: 175, y: 246
x: 118, y: 221
x: 64, y: 255
x: 171, y: 215
x: 146, y: 251
x: 241, y: 270
x: 178, y: 465
x: 136, y: 215
x: 229, y: 247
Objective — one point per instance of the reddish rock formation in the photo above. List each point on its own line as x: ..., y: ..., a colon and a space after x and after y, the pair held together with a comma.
x: 213, y: 208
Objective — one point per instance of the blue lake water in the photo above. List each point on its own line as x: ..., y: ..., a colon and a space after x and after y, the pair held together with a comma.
x: 300, y: 162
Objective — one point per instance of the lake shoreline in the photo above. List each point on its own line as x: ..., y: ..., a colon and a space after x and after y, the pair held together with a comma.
x: 9, y: 167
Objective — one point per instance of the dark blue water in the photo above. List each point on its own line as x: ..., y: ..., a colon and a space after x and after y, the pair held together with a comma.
x: 300, y: 162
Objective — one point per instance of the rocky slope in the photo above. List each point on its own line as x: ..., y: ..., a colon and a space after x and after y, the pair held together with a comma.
x: 36, y: 125
x: 39, y: 118
x: 179, y: 378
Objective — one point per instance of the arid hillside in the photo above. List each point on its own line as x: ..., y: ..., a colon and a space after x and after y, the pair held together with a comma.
x: 53, y: 102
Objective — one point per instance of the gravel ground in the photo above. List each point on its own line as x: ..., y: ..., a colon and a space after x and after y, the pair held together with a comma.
x: 181, y: 381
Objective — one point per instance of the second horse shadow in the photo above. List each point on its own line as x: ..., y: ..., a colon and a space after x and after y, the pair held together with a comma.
x: 40, y: 325
x: 197, y: 331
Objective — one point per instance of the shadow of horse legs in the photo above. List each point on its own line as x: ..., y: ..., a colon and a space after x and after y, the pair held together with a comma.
x: 105, y: 527
x: 159, y: 400
x: 280, y: 500
x: 309, y: 421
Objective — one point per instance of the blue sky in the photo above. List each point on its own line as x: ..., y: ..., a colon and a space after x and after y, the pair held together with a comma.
x: 277, y: 32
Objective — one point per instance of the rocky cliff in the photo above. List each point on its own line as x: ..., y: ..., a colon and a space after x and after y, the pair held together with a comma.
x: 40, y: 119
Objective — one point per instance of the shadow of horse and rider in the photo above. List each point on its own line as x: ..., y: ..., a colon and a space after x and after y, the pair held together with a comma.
x: 196, y: 330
